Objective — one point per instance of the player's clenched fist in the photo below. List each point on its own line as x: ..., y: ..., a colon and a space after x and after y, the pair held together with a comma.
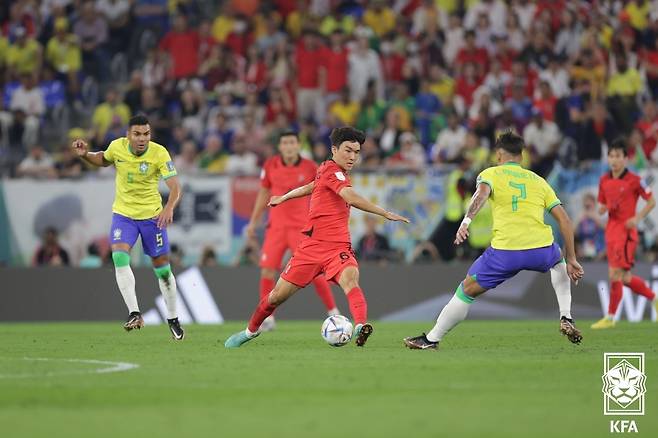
x: 80, y: 147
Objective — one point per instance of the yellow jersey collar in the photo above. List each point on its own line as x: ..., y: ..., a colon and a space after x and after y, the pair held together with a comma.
x: 512, y: 163
x: 130, y: 149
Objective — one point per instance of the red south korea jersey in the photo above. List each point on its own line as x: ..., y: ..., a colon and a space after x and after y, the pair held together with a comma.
x: 620, y: 196
x: 280, y: 179
x: 329, y: 215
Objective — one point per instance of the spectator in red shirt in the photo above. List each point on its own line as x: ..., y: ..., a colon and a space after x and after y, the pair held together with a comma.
x: 335, y: 66
x: 255, y: 73
x: 650, y: 58
x: 392, y: 62
x: 545, y: 101
x: 308, y: 64
x: 206, y: 40
x: 241, y: 37
x: 467, y: 83
x: 279, y: 103
x: 471, y: 53
x: 182, y: 45
x: 648, y: 126
x: 521, y: 77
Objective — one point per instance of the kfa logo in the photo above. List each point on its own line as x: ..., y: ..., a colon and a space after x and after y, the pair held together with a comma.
x: 624, y: 386
x: 623, y: 426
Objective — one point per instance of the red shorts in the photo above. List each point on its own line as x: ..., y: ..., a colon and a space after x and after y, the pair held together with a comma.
x: 314, y: 257
x: 277, y: 241
x: 621, y: 253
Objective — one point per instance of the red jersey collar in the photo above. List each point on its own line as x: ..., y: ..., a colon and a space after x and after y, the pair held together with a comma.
x: 296, y: 163
x: 623, y: 174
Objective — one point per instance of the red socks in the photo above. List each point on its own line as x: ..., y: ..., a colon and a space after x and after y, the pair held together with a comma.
x: 266, y: 286
x: 615, y: 297
x: 358, y: 305
x: 638, y: 286
x: 323, y: 290
x: 263, y: 310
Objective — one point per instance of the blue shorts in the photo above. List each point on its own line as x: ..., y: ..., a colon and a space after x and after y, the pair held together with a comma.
x: 126, y: 230
x: 497, y: 265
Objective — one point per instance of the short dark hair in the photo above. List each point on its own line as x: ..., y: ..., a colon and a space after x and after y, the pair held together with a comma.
x: 346, y: 133
x: 138, y: 120
x: 288, y: 133
x: 619, y: 144
x: 511, y: 142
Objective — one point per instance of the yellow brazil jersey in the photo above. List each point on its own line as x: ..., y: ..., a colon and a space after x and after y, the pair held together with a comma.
x: 519, y: 199
x: 137, y: 178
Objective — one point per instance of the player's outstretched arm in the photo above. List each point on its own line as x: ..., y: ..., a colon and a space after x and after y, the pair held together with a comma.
x: 632, y: 222
x: 355, y: 200
x: 81, y: 149
x: 574, y: 269
x: 257, y: 213
x: 477, y: 202
x: 166, y: 216
x: 294, y: 193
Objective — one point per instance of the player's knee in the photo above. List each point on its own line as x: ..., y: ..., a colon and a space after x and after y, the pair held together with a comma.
x: 163, y: 272
x: 349, y: 279
x: 268, y: 273
x: 120, y: 259
x: 626, y: 277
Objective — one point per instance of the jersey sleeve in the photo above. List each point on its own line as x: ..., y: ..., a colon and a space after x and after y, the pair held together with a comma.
x: 109, y: 153
x: 550, y: 198
x: 643, y: 189
x: 165, y: 165
x: 601, y: 198
x: 486, y: 177
x: 265, y: 181
x: 336, y: 180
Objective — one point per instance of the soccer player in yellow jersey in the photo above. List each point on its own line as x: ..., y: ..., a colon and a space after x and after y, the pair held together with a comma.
x: 137, y: 211
x: 521, y: 241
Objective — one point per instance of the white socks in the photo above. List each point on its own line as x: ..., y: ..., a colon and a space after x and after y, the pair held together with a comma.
x: 168, y: 289
x: 452, y: 314
x: 126, y: 283
x: 562, y: 285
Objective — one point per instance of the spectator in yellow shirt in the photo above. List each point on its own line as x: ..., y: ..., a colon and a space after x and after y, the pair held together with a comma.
x: 297, y: 19
x: 222, y: 26
x: 623, y: 87
x: 63, y: 53
x: 344, y: 109
x: 24, y: 56
x: 638, y: 13
x: 111, y: 112
x: 379, y: 18
x: 4, y: 47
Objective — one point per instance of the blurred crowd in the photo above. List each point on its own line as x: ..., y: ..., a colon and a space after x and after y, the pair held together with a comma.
x: 430, y: 81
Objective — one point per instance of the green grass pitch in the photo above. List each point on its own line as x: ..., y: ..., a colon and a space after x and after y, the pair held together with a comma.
x: 490, y: 378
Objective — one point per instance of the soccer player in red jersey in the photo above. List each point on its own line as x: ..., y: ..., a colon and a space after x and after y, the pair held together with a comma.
x: 281, y: 174
x: 327, y: 246
x: 619, y: 191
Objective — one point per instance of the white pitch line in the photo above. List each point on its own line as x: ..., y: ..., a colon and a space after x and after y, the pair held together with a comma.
x: 114, y: 367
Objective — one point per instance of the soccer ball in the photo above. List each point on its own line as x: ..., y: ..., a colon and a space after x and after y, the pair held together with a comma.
x: 337, y: 330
